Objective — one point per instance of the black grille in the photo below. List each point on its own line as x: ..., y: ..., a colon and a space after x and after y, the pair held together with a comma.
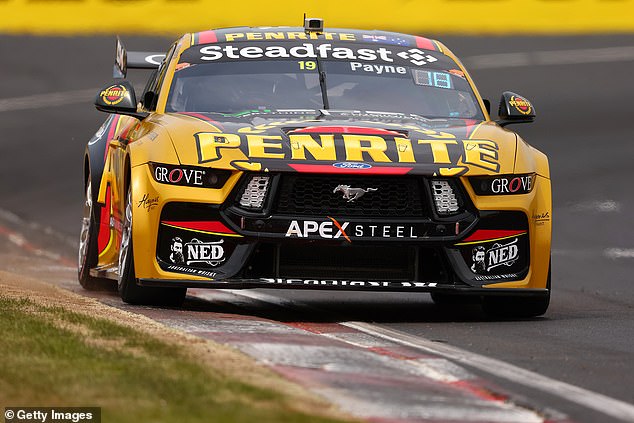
x: 357, y: 262
x: 312, y: 195
x: 360, y: 262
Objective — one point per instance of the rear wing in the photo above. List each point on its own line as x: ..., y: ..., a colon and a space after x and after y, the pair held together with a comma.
x: 125, y: 60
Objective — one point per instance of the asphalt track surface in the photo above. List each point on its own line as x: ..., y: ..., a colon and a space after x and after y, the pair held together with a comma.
x: 584, y: 123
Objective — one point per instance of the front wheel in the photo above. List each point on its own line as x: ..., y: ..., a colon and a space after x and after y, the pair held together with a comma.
x: 88, y: 248
x: 129, y: 289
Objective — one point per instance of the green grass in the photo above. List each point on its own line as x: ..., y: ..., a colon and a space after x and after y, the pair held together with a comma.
x: 53, y: 357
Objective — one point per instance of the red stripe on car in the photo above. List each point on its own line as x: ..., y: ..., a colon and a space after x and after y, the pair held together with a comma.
x: 491, y: 234
x: 104, y: 224
x: 359, y: 130
x: 203, y: 226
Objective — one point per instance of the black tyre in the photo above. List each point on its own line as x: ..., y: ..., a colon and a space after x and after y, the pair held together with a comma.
x: 521, y: 307
x: 88, y: 254
x: 129, y: 289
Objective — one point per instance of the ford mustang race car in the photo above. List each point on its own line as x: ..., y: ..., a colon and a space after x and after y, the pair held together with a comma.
x: 313, y: 158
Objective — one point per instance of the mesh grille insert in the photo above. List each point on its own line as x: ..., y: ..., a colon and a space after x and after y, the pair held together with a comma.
x: 310, y: 195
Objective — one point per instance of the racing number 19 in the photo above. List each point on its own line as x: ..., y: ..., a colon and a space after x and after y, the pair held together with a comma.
x: 307, y: 65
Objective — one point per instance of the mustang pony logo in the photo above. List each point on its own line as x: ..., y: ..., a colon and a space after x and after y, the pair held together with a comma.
x: 352, y: 194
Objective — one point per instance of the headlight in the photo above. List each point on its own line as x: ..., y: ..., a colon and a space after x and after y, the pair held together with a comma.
x: 254, y: 192
x: 503, y: 184
x: 189, y: 176
x: 445, y: 197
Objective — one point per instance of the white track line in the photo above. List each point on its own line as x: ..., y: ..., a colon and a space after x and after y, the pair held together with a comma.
x: 41, y: 101
x: 601, y: 403
x: 600, y: 206
x: 549, y: 58
x: 13, y: 219
x: 598, y: 402
x: 617, y: 253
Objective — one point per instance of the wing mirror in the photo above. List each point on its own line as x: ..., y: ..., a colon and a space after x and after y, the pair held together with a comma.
x: 515, y: 109
x: 118, y: 98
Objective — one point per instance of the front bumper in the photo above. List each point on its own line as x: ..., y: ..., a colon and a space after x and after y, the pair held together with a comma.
x: 344, y: 285
x: 235, y: 249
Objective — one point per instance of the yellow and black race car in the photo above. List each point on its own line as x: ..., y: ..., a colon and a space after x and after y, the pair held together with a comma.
x: 313, y: 158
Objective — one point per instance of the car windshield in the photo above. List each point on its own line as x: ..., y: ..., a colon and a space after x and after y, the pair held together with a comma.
x: 436, y: 90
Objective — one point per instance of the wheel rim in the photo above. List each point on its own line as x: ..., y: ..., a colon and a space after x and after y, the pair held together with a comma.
x: 84, y: 235
x: 125, y: 237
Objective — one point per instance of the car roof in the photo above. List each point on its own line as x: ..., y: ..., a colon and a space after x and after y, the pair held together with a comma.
x: 335, y: 35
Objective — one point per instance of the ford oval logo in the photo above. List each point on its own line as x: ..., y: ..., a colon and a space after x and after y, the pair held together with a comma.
x: 352, y: 165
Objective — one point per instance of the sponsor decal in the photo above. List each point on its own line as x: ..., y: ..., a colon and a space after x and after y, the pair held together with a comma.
x: 385, y: 39
x: 512, y: 186
x: 541, y: 218
x: 113, y: 95
x: 288, y: 35
x: 177, y: 175
x: 196, y: 252
x: 449, y: 154
x: 148, y: 203
x: 155, y: 59
x: 352, y: 194
x: 327, y: 51
x: 333, y: 229
x: 417, y: 57
x: 176, y: 248
x: 497, y: 277
x: 479, y: 257
x: 324, y: 229
x: 211, y: 53
x: 495, y: 254
x: 271, y: 35
x: 521, y: 105
x: 503, y: 185
x: 349, y: 283
x: 189, y: 270
x: 351, y: 165
x: 499, y: 254
x: 192, y: 253
x: 377, y: 69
